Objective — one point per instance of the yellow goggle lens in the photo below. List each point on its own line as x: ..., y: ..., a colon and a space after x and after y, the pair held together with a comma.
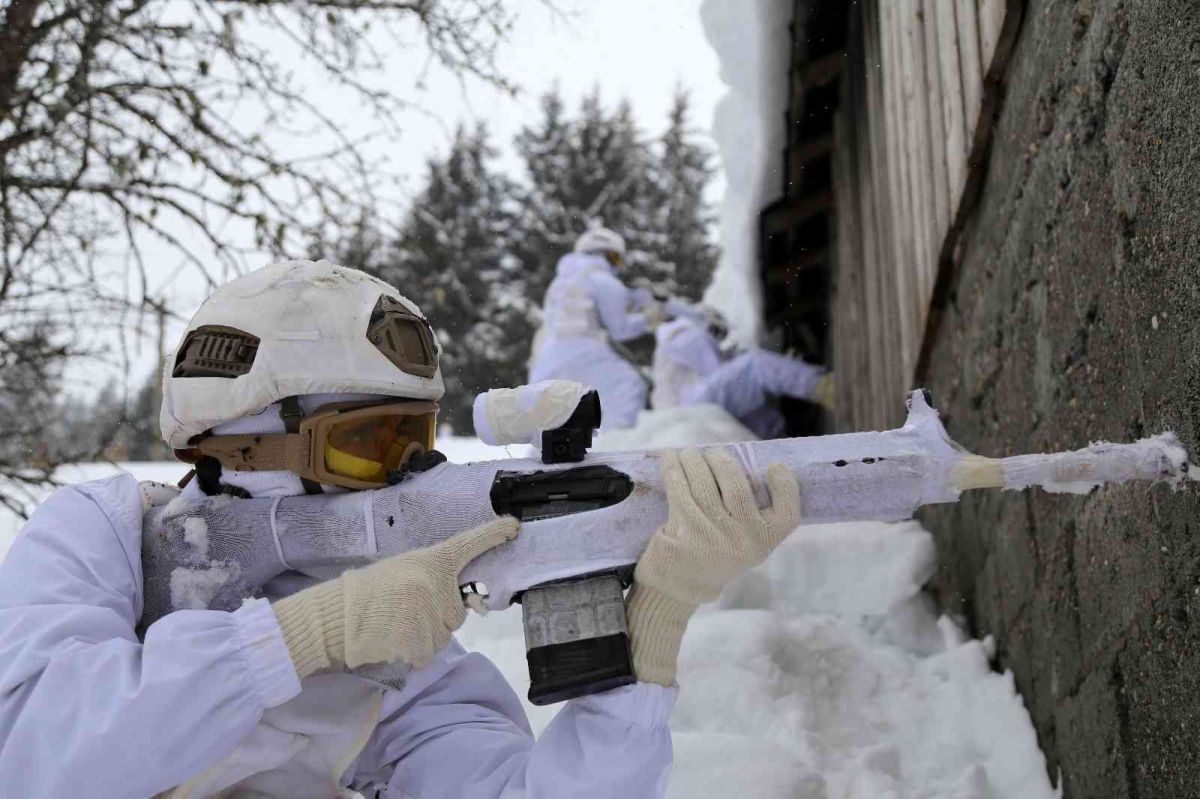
x: 367, y: 449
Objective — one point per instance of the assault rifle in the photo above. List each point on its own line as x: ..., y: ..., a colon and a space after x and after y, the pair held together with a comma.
x: 587, y: 520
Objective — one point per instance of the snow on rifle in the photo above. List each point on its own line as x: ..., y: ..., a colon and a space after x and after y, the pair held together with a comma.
x: 588, y: 518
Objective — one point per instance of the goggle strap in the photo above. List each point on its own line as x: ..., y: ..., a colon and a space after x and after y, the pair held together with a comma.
x: 261, y: 452
x: 291, y: 414
x: 293, y: 452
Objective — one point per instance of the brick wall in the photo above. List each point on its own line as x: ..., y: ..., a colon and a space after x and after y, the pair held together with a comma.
x: 1073, y: 316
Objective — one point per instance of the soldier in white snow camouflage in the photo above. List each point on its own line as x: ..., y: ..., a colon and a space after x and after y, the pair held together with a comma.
x: 309, y: 378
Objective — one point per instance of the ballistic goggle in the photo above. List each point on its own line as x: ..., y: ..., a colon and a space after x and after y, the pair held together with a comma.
x: 613, y: 257
x: 346, y: 444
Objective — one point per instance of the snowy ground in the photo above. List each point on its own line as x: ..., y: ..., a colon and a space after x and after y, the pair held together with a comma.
x: 824, y: 674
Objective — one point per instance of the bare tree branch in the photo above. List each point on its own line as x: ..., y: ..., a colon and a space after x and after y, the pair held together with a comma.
x: 119, y: 131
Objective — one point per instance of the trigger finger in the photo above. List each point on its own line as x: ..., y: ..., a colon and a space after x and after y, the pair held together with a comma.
x: 465, y: 547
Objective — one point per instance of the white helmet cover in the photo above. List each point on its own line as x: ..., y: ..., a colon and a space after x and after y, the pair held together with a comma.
x: 311, y: 322
x: 600, y: 240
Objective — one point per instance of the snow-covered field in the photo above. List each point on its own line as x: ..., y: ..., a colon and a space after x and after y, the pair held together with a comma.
x: 826, y: 673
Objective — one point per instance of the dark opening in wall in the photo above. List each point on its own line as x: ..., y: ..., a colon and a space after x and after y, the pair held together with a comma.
x: 796, y: 231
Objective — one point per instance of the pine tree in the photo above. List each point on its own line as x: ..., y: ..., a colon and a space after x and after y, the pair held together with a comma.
x: 362, y: 246
x: 139, y: 435
x: 547, y: 224
x: 592, y: 168
x: 682, y: 218
x: 598, y: 167
x: 451, y: 258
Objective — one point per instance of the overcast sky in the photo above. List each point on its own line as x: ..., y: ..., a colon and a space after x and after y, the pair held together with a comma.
x: 629, y: 48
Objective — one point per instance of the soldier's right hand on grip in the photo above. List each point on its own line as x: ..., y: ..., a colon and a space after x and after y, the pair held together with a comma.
x: 714, y: 532
x: 402, y: 608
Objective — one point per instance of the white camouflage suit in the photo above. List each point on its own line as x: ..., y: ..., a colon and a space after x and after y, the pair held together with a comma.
x: 585, y: 306
x: 208, y: 703
x: 688, y: 369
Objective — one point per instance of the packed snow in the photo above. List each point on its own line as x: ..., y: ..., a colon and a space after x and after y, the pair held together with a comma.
x: 195, y: 533
x: 195, y: 588
x: 826, y: 673
x: 753, y: 45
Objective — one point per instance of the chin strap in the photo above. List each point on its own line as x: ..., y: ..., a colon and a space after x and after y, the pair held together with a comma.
x: 208, y: 477
x: 290, y: 413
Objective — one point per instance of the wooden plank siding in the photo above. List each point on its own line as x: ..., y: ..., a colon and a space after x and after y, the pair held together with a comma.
x: 888, y: 121
x: 934, y: 139
x: 916, y: 94
x: 878, y: 232
x: 954, y: 126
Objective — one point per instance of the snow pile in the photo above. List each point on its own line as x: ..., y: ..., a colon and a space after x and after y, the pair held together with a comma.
x: 195, y: 588
x: 195, y: 532
x: 827, y: 673
x: 831, y: 660
x: 752, y: 42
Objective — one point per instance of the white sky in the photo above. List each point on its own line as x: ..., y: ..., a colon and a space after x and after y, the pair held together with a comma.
x: 629, y: 48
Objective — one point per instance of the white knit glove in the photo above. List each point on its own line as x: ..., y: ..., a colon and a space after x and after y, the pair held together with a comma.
x: 714, y: 532
x: 402, y: 608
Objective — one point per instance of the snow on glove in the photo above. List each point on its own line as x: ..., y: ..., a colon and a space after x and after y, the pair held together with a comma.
x: 215, y: 552
x: 212, y: 553
x: 402, y: 608
x: 714, y: 533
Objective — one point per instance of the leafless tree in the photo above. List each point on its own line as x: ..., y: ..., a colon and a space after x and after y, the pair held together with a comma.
x: 118, y: 142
